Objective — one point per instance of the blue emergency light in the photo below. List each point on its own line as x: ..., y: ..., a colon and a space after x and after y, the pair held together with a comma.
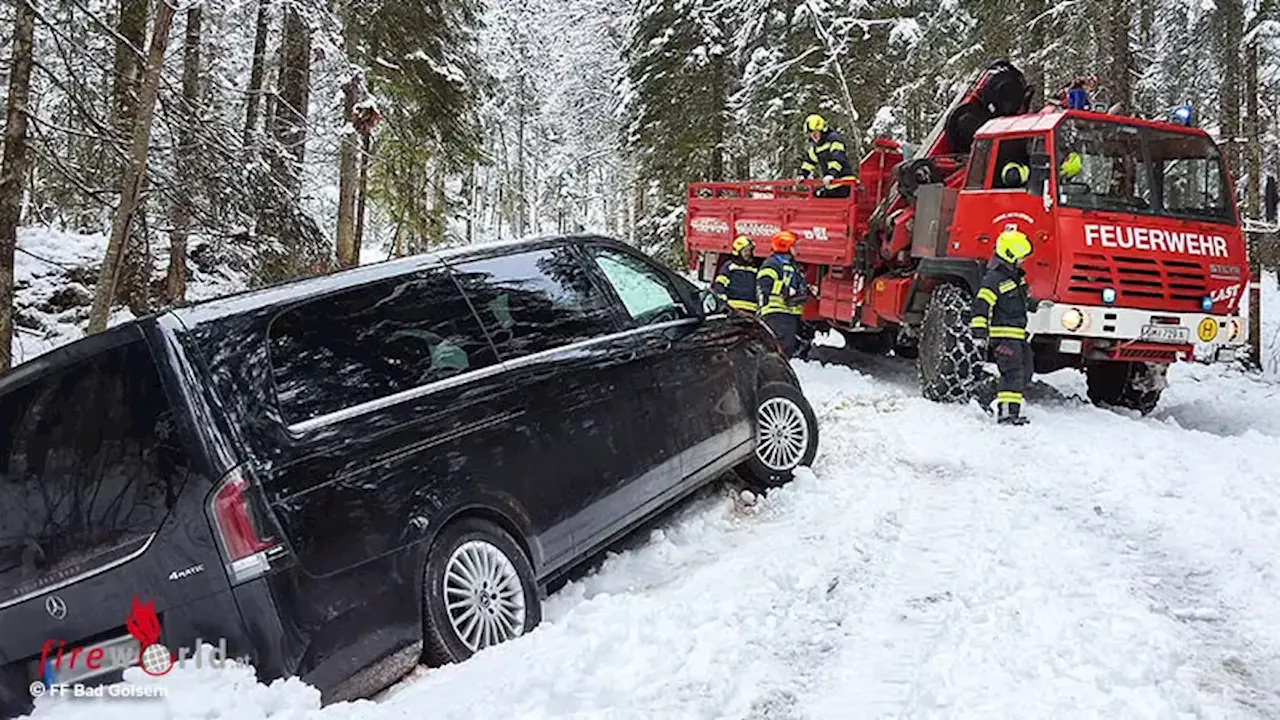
x: 1206, y: 304
x: 1109, y: 296
x: 1182, y: 115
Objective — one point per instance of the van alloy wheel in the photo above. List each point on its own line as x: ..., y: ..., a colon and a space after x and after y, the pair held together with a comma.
x: 483, y: 595
x: 478, y: 590
x: 784, y: 434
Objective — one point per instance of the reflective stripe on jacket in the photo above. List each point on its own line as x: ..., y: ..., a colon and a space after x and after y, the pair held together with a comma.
x: 826, y: 157
x: 781, y: 287
x: 1001, y: 306
x: 736, y: 282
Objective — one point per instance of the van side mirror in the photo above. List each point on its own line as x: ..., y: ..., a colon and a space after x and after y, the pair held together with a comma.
x: 1270, y: 199
x: 710, y: 302
x: 1038, y: 175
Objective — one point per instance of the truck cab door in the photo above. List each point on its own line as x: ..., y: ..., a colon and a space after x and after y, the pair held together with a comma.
x: 997, y: 198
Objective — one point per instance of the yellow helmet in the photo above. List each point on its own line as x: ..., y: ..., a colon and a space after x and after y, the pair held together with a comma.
x: 1014, y: 174
x: 815, y: 123
x: 1012, y: 246
x: 1072, y: 166
x: 742, y: 242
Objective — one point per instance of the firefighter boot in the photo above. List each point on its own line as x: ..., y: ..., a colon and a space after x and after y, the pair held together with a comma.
x: 1011, y: 414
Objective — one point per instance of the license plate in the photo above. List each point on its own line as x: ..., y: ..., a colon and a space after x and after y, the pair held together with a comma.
x: 1166, y: 333
x: 117, y: 654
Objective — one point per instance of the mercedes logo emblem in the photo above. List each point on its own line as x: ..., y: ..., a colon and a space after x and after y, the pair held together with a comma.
x: 56, y: 607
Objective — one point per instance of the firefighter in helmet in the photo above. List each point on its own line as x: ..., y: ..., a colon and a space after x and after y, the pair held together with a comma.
x: 736, y: 281
x: 1071, y: 166
x: 999, y: 323
x: 782, y: 292
x: 825, y: 157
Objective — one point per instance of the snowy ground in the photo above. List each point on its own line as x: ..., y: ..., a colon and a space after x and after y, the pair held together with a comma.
x: 1091, y: 565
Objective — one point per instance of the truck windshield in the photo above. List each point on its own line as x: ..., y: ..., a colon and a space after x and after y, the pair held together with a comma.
x: 1127, y: 168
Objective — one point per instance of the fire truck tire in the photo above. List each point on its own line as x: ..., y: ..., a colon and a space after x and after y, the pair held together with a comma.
x: 950, y: 365
x: 1121, y: 384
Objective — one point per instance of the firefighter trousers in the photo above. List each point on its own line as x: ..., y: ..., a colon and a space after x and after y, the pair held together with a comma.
x: 785, y: 327
x: 1015, y: 362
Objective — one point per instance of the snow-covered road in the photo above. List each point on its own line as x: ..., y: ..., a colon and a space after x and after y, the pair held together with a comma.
x: 932, y: 565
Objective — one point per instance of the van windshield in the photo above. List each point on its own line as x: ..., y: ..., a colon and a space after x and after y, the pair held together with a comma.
x: 1127, y: 168
x: 90, y: 465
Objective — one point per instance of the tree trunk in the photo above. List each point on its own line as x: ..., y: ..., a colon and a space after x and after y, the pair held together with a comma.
x: 520, y: 189
x: 1231, y: 22
x: 1146, y: 95
x: 438, y: 214
x: 365, y: 153
x: 1253, y: 132
x: 132, y: 34
x: 1119, y: 82
x: 132, y: 29
x: 295, y: 90
x: 348, y: 180
x: 135, y: 173
x: 258, y: 71
x: 176, y: 282
x: 13, y: 169
x: 469, y: 191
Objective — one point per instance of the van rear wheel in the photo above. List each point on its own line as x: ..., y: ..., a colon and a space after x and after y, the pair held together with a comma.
x: 478, y: 591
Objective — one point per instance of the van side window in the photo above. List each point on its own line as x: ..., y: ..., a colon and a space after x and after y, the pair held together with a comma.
x: 978, y: 159
x: 91, y: 462
x: 536, y: 301
x: 648, y: 296
x: 373, y: 341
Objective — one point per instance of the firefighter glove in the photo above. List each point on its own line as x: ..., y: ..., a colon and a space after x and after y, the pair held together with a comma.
x: 981, y: 344
x: 827, y: 180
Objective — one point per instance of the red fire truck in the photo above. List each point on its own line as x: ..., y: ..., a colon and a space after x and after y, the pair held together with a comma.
x: 1139, y: 259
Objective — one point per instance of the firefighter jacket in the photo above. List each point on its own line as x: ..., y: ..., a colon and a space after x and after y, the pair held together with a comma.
x: 826, y: 157
x: 780, y: 287
x: 1002, y: 304
x: 736, y: 282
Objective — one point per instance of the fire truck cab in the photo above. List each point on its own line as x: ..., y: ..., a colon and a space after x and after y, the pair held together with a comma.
x: 1139, y: 259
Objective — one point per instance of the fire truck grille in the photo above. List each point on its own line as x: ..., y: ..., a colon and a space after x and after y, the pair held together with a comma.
x: 1175, y: 284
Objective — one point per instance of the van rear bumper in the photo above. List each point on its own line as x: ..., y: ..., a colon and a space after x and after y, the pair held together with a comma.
x: 244, y: 618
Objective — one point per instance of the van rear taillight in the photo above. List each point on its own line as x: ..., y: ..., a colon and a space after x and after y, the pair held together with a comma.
x: 246, y: 545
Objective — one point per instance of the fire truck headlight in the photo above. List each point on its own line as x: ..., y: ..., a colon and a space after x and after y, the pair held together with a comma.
x: 1073, y: 319
x: 1109, y: 296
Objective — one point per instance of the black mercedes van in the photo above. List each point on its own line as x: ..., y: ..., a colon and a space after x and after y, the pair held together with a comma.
x: 345, y: 476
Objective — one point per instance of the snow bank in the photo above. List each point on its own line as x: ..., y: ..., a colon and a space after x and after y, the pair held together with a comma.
x: 1093, y: 564
x: 231, y: 692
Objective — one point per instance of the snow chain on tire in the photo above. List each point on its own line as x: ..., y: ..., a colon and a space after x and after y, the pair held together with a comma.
x: 950, y: 365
